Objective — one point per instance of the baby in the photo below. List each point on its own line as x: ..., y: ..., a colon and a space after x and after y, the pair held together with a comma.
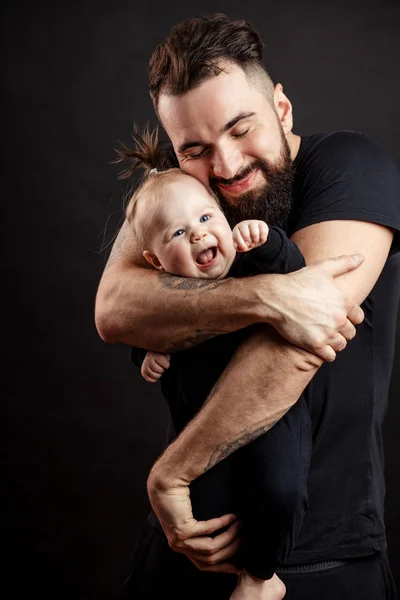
x: 182, y: 230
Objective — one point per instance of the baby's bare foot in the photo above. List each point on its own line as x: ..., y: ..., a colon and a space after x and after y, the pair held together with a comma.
x: 252, y: 588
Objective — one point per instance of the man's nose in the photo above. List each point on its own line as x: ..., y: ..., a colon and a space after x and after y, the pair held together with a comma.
x: 226, y: 162
x: 197, y: 235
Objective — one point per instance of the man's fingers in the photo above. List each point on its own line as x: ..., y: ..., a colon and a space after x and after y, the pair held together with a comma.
x: 326, y: 353
x: 348, y: 331
x: 356, y: 315
x: 219, y: 568
x: 338, y: 343
x: 219, y: 557
x: 209, y: 546
x: 208, y: 527
x: 342, y: 264
x: 179, y: 540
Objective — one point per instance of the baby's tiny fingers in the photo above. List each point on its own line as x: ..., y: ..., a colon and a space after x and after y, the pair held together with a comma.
x: 241, y: 245
x: 264, y: 230
x: 162, y: 361
x: 245, y: 232
x: 255, y: 233
x: 155, y: 374
x: 150, y: 378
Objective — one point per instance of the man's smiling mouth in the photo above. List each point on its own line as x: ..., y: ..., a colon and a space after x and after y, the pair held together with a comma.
x: 240, y: 185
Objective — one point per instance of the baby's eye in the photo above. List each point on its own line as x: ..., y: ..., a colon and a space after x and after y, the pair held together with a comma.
x: 204, y: 218
x: 178, y: 232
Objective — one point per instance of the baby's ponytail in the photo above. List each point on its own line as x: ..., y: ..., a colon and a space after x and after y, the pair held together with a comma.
x: 158, y: 161
x: 147, y: 153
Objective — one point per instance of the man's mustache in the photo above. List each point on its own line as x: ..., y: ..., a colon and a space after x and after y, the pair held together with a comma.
x: 238, y: 177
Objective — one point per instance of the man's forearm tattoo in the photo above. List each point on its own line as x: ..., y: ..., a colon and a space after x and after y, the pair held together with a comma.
x: 172, y: 282
x: 224, y: 450
x: 200, y: 336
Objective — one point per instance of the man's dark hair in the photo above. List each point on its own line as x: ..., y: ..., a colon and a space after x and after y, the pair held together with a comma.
x: 196, y: 49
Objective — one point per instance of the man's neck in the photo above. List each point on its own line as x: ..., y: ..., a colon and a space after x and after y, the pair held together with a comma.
x: 294, y: 144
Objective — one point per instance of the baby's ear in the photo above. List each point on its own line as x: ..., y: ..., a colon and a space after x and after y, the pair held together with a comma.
x: 153, y: 260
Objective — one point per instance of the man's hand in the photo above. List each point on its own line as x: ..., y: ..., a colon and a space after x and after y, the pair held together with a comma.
x: 154, y: 365
x: 249, y: 234
x: 171, y: 503
x: 312, y: 312
x: 251, y: 588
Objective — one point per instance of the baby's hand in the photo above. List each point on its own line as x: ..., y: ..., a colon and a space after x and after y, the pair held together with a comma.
x: 249, y: 234
x: 154, y: 365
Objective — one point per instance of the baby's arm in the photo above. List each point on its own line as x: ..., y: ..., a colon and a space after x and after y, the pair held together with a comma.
x: 272, y: 252
x: 154, y: 365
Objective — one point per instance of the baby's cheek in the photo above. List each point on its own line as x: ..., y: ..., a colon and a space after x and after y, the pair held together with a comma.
x: 184, y: 264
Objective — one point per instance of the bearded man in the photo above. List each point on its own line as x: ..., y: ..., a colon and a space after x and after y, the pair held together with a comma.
x: 336, y: 195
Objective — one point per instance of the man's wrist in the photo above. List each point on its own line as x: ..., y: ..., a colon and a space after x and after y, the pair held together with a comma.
x: 267, y: 298
x: 168, y: 471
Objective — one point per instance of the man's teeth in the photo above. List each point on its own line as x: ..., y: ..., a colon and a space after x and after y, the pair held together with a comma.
x: 205, y: 257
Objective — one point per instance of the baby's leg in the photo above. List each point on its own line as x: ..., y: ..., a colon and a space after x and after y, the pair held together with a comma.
x: 270, y: 477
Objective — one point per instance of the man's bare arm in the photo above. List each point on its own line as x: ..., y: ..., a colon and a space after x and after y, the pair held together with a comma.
x: 139, y: 306
x: 255, y: 398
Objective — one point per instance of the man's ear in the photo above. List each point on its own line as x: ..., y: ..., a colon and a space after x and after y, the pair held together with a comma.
x: 283, y: 108
x: 153, y: 260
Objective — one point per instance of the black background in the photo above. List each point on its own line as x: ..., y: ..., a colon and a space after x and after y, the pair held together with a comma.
x: 80, y: 427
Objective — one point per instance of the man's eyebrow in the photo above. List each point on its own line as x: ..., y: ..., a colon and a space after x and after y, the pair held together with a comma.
x: 225, y: 128
x: 236, y: 119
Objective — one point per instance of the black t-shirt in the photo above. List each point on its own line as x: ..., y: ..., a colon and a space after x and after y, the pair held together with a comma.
x: 192, y: 373
x: 346, y: 175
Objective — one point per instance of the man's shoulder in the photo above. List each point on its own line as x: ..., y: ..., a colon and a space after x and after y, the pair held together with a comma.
x: 344, y: 175
x: 343, y: 148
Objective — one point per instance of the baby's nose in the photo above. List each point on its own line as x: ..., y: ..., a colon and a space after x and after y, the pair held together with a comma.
x: 198, y: 235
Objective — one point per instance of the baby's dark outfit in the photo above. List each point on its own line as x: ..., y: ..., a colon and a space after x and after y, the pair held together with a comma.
x: 264, y: 482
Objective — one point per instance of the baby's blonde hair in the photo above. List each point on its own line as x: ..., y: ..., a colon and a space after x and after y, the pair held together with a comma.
x: 158, y: 162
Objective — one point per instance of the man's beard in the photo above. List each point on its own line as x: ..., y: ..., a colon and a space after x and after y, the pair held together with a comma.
x: 271, y: 202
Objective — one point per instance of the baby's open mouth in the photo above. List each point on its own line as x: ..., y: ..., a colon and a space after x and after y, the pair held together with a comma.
x: 207, y: 256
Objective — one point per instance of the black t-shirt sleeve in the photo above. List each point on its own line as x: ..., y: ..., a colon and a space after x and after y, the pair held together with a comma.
x: 277, y: 255
x: 349, y: 176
